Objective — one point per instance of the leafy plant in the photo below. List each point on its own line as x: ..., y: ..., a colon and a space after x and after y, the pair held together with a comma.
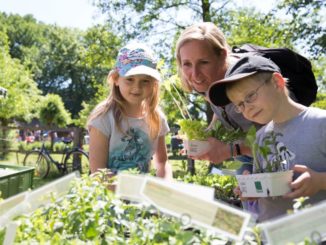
x: 91, y: 214
x: 223, y: 185
x: 194, y: 129
x: 225, y: 135
x: 269, y: 151
x: 197, y: 130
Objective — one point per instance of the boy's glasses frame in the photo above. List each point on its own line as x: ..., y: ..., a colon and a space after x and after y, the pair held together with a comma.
x: 249, y: 98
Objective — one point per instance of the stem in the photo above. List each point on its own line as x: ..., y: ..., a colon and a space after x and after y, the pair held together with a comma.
x: 180, y: 109
x: 182, y: 101
x: 254, y: 155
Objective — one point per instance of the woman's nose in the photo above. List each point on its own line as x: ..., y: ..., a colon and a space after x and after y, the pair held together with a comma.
x: 196, y: 73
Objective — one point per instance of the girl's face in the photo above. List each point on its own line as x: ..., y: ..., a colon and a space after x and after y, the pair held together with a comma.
x: 135, y: 89
x: 200, y: 65
x: 257, y: 100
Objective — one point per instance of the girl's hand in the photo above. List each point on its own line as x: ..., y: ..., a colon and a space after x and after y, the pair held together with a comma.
x: 307, y: 184
x: 217, y: 153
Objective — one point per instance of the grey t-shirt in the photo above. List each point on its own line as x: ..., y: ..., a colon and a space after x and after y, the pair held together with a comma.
x: 305, y: 139
x: 133, y: 149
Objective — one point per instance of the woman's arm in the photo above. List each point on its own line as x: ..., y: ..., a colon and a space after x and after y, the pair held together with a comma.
x: 163, y: 168
x: 98, y: 149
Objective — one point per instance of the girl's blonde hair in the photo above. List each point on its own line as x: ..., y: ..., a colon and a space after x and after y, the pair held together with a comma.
x: 116, y: 103
x: 205, y: 31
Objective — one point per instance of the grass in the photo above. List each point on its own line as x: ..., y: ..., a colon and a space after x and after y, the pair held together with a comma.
x: 18, y: 158
x: 178, y: 164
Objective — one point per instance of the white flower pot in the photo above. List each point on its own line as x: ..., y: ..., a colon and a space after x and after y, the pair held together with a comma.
x: 196, y: 147
x: 265, y: 184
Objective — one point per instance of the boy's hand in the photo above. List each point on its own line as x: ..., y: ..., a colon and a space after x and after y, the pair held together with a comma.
x: 237, y: 191
x: 307, y: 184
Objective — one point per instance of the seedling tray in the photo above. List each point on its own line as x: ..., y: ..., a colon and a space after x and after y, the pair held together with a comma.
x: 18, y: 180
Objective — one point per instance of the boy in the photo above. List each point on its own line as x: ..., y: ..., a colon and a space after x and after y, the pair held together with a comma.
x: 258, y: 90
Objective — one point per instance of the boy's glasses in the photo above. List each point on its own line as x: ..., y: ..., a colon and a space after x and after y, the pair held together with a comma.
x: 250, y: 98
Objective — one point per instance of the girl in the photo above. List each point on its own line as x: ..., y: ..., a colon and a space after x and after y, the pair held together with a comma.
x: 258, y: 90
x: 128, y: 128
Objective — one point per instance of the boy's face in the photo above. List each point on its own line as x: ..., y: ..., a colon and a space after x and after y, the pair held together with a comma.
x: 256, y: 100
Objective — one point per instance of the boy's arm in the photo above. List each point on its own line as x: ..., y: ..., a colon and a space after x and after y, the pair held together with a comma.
x: 308, y: 183
x: 163, y: 168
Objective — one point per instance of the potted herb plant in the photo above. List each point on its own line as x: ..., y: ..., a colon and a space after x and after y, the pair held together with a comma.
x: 271, y: 180
x: 196, y: 133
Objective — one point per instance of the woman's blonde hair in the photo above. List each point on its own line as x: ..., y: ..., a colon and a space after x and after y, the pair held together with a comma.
x: 205, y: 31
x: 116, y: 103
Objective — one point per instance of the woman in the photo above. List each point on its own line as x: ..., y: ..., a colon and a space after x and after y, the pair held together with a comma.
x: 203, y: 56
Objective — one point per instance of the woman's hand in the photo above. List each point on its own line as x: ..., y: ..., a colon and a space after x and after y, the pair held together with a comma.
x: 308, y: 183
x: 217, y: 153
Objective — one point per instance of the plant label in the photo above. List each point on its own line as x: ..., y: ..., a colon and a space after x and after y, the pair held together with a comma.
x: 306, y: 224
x: 129, y: 187
x: 192, y: 209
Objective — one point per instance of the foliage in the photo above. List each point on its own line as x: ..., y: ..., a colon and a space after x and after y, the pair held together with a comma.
x: 197, y: 130
x: 90, y: 213
x: 320, y: 72
x: 53, y: 112
x: 63, y: 61
x: 154, y: 21
x: 223, y: 134
x: 249, y: 26
x: 223, y: 185
x: 194, y: 130
x: 307, y: 21
x: 22, y: 93
x: 269, y: 151
x: 321, y: 101
x: 300, y: 204
x: 74, y: 63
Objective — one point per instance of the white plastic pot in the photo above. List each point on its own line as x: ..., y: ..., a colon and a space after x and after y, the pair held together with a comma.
x: 196, y: 147
x: 265, y: 184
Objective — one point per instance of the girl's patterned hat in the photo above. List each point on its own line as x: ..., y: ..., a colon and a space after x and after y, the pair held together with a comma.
x: 137, y: 59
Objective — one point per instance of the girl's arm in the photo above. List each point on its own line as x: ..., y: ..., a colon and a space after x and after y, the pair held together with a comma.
x: 163, y: 168
x: 98, y: 149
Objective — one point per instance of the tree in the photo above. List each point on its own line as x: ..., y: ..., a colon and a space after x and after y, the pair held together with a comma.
x: 63, y: 61
x: 162, y: 21
x: 22, y: 96
x: 307, y: 23
x: 53, y: 113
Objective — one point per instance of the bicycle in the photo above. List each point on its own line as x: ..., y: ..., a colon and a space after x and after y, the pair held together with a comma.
x: 72, y: 159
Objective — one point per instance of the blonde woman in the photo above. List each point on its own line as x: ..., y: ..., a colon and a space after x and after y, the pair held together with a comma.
x: 203, y: 56
x: 128, y: 129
